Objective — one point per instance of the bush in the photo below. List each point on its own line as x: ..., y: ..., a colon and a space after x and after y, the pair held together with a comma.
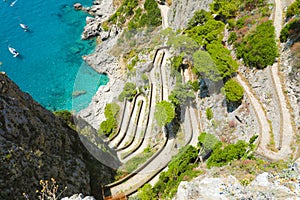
x: 234, y: 91
x: 293, y: 9
x: 180, y: 94
x: 259, y: 49
x: 129, y: 91
x: 291, y: 29
x: 108, y: 126
x: 232, y: 37
x: 164, y: 113
x: 221, y: 56
x: 226, y: 9
x: 222, y: 156
x: 209, y: 113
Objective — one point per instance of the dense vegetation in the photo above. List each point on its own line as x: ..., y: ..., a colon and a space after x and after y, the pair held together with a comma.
x: 129, y: 91
x: 290, y: 30
x: 182, y: 166
x: 181, y: 94
x: 293, y: 9
x: 234, y: 91
x: 179, y: 169
x: 108, y: 126
x: 221, y: 56
x: 259, y: 48
x: 224, y: 153
x: 164, y: 113
x: 131, y: 12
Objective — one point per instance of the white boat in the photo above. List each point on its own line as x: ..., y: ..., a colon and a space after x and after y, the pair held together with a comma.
x: 13, y: 51
x: 24, y: 26
x: 13, y: 3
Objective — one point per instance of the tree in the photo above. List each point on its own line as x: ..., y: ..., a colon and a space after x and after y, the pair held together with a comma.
x: 221, y: 56
x: 234, y: 91
x: 225, y: 8
x: 200, y: 18
x: 205, y: 66
x: 181, y: 93
x: 164, y: 113
x: 293, y: 9
x: 207, y: 143
x: 259, y: 48
x: 183, y: 43
x: 129, y: 91
x: 222, y: 156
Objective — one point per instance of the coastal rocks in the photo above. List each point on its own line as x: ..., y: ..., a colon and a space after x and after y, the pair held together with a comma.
x: 93, y: 28
x: 77, y: 6
x: 183, y: 10
x: 103, y: 62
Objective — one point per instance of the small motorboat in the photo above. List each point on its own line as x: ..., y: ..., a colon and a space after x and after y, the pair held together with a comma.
x: 13, y: 3
x: 24, y: 27
x: 13, y: 51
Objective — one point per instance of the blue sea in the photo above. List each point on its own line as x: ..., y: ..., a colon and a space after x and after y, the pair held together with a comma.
x: 50, y: 66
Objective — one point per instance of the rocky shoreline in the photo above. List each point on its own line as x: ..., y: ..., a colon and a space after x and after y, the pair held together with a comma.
x: 101, y: 60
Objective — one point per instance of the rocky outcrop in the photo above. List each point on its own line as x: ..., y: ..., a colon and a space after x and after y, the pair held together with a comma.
x: 78, y: 197
x: 100, y: 10
x: 35, y: 145
x: 183, y: 10
x: 103, y: 62
x: 264, y: 186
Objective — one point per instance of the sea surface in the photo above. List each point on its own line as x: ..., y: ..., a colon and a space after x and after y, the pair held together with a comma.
x: 50, y: 66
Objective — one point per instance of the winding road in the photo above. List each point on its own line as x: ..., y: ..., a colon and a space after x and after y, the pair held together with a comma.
x: 287, y: 133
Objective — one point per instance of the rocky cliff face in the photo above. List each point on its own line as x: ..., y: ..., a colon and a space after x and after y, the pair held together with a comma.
x: 183, y: 10
x: 35, y: 145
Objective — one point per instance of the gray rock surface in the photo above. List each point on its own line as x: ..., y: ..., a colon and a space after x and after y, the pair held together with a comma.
x: 35, y: 145
x: 78, y: 197
x: 183, y: 10
x: 265, y: 186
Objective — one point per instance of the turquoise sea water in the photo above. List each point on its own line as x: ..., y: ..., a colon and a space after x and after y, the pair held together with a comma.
x: 49, y: 67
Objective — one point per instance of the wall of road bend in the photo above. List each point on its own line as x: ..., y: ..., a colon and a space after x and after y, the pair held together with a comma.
x: 135, y: 129
x: 130, y: 117
x: 146, y: 127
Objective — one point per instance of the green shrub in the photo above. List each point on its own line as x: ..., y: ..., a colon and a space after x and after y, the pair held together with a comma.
x: 226, y: 9
x: 290, y: 29
x: 181, y: 94
x: 164, y: 113
x: 222, y: 156
x: 234, y: 91
x: 108, y: 126
x: 129, y: 91
x: 232, y: 37
x: 221, y: 56
x: 293, y: 9
x: 200, y: 17
x: 209, y: 113
x: 259, y: 48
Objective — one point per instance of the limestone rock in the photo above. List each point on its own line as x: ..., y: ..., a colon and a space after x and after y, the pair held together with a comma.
x: 79, y: 197
x: 77, y: 6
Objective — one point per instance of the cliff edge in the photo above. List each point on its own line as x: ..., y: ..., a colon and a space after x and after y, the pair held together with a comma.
x: 35, y: 145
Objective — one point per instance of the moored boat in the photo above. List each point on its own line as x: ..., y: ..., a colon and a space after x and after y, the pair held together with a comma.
x: 13, y: 51
x: 24, y: 27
